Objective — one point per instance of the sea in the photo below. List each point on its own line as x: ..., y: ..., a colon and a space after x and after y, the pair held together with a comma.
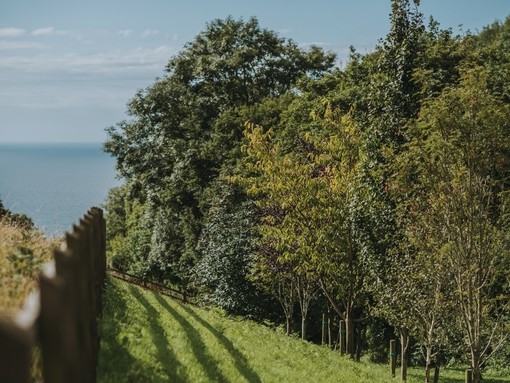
x: 55, y: 184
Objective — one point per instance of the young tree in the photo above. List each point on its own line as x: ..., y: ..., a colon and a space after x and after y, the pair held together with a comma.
x: 310, y: 189
x: 461, y: 152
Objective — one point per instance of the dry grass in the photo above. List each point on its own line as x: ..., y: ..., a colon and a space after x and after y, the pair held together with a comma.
x: 23, y: 252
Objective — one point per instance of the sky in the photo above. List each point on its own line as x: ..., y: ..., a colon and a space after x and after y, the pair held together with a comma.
x: 69, y: 67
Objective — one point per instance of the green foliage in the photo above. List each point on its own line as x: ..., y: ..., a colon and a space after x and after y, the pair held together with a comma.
x: 226, y: 247
x: 385, y: 183
x: 306, y: 228
x: 15, y: 218
x: 23, y: 253
x: 457, y: 219
x: 186, y: 129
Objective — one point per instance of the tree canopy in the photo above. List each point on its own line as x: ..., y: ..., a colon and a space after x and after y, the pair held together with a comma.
x: 256, y: 174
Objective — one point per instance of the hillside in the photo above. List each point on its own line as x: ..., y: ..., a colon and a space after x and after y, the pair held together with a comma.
x: 150, y: 338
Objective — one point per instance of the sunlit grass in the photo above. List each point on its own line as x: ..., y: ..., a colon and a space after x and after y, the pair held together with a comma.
x: 23, y: 253
x: 150, y: 338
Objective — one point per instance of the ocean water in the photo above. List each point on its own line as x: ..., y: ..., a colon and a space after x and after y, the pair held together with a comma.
x: 54, y: 184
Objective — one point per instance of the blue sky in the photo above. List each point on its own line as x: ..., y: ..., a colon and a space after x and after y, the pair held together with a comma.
x: 68, y: 67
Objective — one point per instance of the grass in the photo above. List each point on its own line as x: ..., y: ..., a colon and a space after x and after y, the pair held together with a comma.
x: 150, y: 338
x: 23, y: 252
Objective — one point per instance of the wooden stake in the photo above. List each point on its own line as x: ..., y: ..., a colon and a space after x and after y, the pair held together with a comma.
x: 393, y: 356
x: 469, y: 375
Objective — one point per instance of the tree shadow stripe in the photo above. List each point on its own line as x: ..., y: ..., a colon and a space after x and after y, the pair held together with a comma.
x: 209, y: 364
x: 240, y: 361
x: 166, y: 356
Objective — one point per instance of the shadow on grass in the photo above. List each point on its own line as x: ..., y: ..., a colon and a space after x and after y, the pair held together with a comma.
x: 240, y: 362
x: 166, y: 356
x: 116, y: 364
x: 210, y: 366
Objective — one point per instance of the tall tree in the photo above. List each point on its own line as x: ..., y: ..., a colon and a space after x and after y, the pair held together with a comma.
x: 179, y: 137
x: 391, y: 101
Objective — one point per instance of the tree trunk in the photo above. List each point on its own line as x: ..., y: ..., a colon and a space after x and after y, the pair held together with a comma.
x: 289, y: 325
x: 358, y: 343
x: 477, y: 374
x: 342, y: 337
x: 428, y: 363
x: 476, y: 359
x: 330, y: 321
x: 404, y: 344
x: 303, y: 327
x: 349, y: 342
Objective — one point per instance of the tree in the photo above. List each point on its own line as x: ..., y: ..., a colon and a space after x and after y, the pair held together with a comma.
x: 226, y: 246
x: 305, y: 195
x: 391, y: 101
x: 184, y: 128
x: 461, y: 152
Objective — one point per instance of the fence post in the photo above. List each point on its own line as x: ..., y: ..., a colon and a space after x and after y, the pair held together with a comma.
x: 393, y: 356
x: 69, y: 270
x: 15, y: 353
x: 65, y: 323
x: 469, y: 375
x: 60, y: 352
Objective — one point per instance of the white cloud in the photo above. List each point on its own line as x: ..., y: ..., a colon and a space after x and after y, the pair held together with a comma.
x: 125, y: 33
x: 12, y: 32
x: 115, y: 63
x: 51, y: 80
x: 12, y: 45
x: 148, y: 33
x: 43, y: 31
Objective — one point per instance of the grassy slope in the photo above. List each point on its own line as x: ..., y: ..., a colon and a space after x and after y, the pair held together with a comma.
x: 150, y: 338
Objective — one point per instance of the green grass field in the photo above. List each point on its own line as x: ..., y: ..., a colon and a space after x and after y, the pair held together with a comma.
x: 150, y: 338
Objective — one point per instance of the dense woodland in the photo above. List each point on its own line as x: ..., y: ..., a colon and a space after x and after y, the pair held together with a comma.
x: 277, y: 186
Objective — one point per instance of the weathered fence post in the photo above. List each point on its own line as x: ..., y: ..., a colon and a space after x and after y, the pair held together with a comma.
x: 60, y: 351
x: 64, y: 320
x: 15, y: 353
x: 393, y: 356
x: 342, y: 337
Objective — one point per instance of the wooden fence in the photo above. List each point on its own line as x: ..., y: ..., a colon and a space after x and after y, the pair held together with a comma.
x: 159, y: 288
x: 61, y: 317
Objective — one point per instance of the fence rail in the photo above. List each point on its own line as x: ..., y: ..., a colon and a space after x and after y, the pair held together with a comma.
x: 180, y: 295
x: 61, y: 317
